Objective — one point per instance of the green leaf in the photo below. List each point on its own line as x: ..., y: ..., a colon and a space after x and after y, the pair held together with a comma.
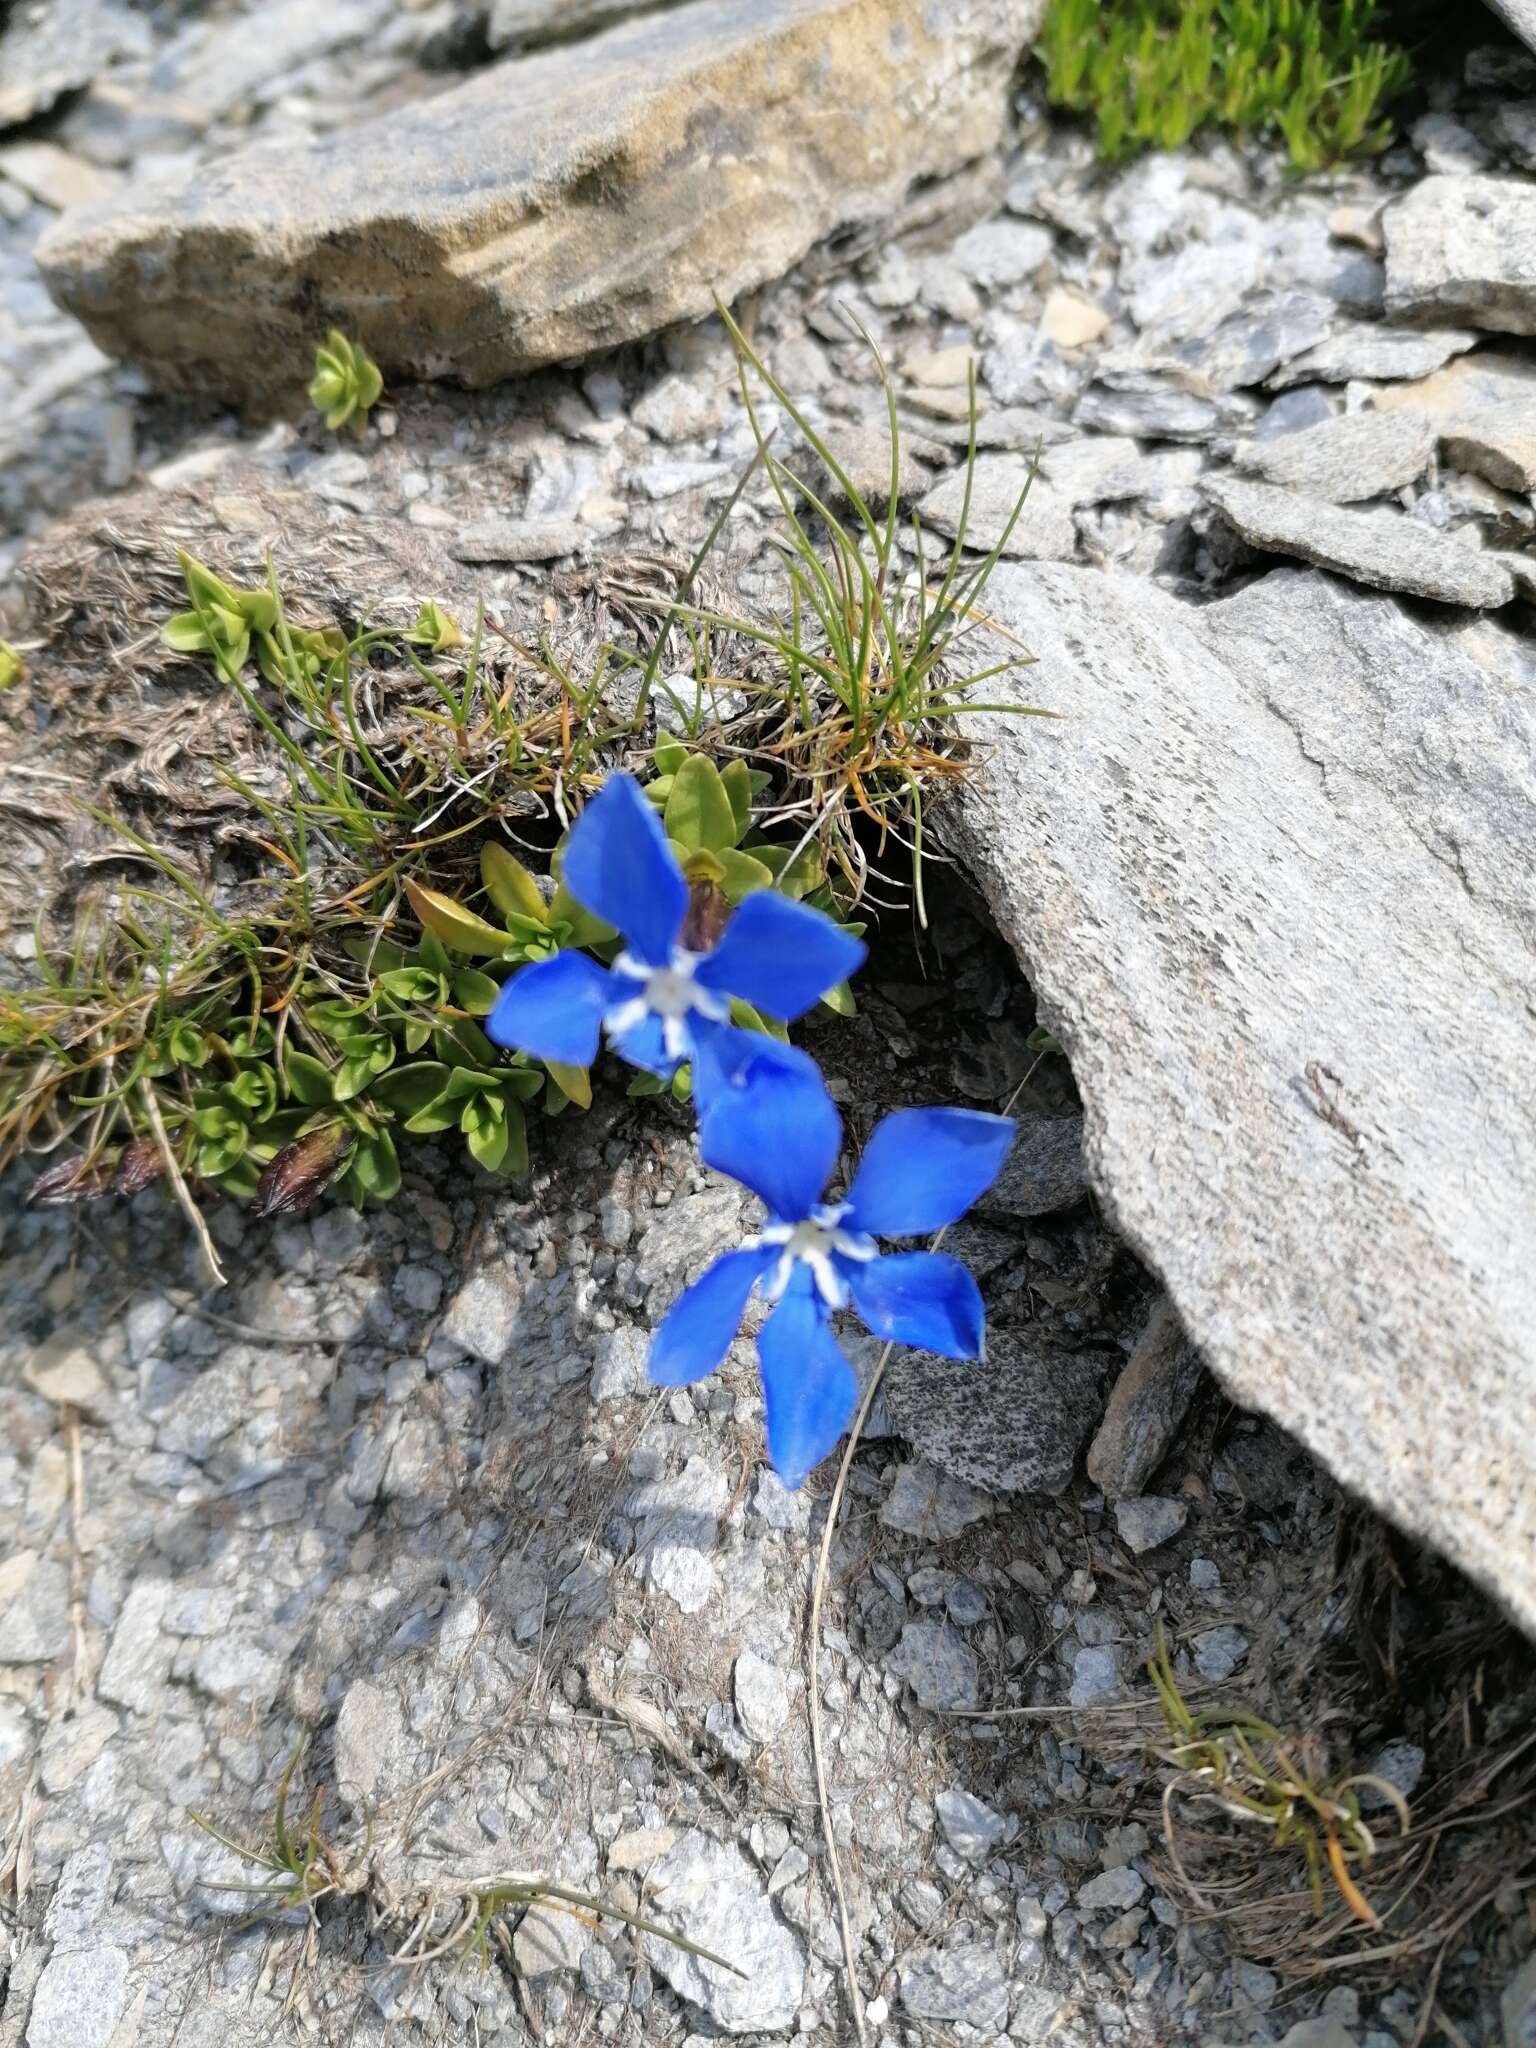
x: 436, y: 629
x: 407, y: 1089
x: 207, y: 591
x: 741, y: 874
x: 658, y: 789
x: 475, y: 992
x: 375, y: 1166
x: 840, y: 1000
x: 698, y: 813
x: 413, y: 985
x: 682, y: 1083
x: 309, y: 1079
x: 585, y: 929
x: 509, y: 885
x: 240, y: 1179
x: 414, y: 1033
x: 459, y: 929
x: 255, y: 1090
x: 463, y: 1043
x: 523, y: 1082
x: 646, y: 1084
x: 502, y: 1146
x: 434, y: 954
x: 186, y: 1044
x: 380, y: 954
x: 736, y: 780
x: 359, y: 1068
x: 669, y: 754
x: 797, y: 877
x: 575, y: 1083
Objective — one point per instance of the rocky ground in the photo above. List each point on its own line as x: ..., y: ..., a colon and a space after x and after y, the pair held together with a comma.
x: 403, y: 1488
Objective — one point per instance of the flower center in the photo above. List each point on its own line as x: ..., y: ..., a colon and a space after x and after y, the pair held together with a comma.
x: 670, y: 993
x: 818, y: 1243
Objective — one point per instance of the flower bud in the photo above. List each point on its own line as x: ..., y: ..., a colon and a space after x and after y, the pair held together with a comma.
x: 80, y: 1179
x: 141, y: 1163
x: 707, y: 916
x: 302, y: 1172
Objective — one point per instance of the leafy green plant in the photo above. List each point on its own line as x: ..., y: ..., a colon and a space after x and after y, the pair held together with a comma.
x: 1153, y: 72
x: 12, y: 668
x: 347, y: 383
x: 1248, y: 1769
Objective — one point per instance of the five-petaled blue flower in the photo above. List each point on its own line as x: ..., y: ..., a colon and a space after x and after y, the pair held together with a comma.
x: 660, y: 1002
x: 922, y: 1169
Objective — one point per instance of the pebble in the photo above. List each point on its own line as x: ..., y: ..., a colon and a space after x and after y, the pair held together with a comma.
x: 928, y: 1503
x: 1147, y: 1523
x: 1113, y: 1891
x: 1002, y: 252
x: 761, y: 1693
x: 1095, y: 1674
x: 971, y: 1828
x: 1219, y: 1652
x: 938, y: 1664
x: 1361, y: 455
x: 965, y: 1984
x: 1070, y: 320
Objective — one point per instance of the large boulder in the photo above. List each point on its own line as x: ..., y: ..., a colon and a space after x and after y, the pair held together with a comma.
x: 1274, y: 877
x: 557, y: 204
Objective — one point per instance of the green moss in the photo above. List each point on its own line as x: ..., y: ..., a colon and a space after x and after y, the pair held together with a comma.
x: 1153, y: 72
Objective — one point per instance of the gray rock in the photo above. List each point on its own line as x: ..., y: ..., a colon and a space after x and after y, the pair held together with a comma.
x: 1483, y: 408
x: 1002, y: 252
x: 709, y: 1892
x: 930, y: 1504
x: 1147, y: 409
x: 1322, y: 2032
x: 970, y: 1826
x: 1043, y: 1173
x: 1384, y: 549
x: 1113, y: 1891
x: 1219, y: 1652
x: 1447, y: 145
x: 938, y: 1664
x: 1521, y: 16
x: 547, y: 1939
x: 965, y: 1984
x: 1358, y: 455
x: 79, y: 1998
x: 1095, y: 1674
x: 1148, y: 1402
x: 530, y: 22
x: 1011, y: 1424
x: 135, y: 1668
x: 618, y: 1373
x: 482, y: 1313
x: 761, y: 1693
x: 1147, y: 1523
x: 1043, y: 531
x: 375, y: 1755
x: 1370, y: 351
x: 1515, y: 126
x: 34, y: 1625
x: 521, y: 540
x: 1518, y: 2007
x: 1401, y: 1764
x: 1463, y: 249
x: 53, y: 48
x: 1252, y: 343
x: 864, y: 456
x: 1304, y: 405
x: 1328, y: 797
x: 212, y: 68
x: 492, y: 228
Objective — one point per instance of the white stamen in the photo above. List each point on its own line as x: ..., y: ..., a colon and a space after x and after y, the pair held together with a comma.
x: 670, y: 993
x: 814, y: 1242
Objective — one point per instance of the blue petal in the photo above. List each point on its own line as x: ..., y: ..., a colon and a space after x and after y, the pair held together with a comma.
x: 923, y: 1168
x: 696, y: 1332
x: 645, y: 1045
x: 926, y: 1299
x: 772, y: 1126
x: 725, y: 1056
x: 780, y: 956
x: 553, y: 1009
x: 809, y: 1388
x: 618, y: 863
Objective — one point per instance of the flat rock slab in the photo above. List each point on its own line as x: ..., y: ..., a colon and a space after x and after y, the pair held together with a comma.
x: 1371, y: 351
x: 1358, y: 455
x: 1014, y: 1424
x: 1387, y: 550
x: 52, y: 47
x: 556, y: 205
x: 1484, y: 412
x: 1042, y: 532
x: 1464, y: 249
x: 1272, y: 878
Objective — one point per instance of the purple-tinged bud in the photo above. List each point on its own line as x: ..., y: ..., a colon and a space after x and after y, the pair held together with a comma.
x: 302, y: 1172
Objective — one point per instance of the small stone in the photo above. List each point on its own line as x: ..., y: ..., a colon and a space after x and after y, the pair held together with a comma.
x: 79, y: 1998
x: 1002, y: 252
x: 864, y: 456
x: 1401, y: 1764
x: 1043, y: 530
x: 1095, y: 1674
x: 1463, y: 249
x: 680, y: 408
x: 64, y: 1371
x: 481, y: 1316
x: 970, y: 1826
x: 546, y: 1939
x: 1149, y: 1521
x: 938, y: 1664
x: 1446, y: 145
x: 761, y: 1693
x: 618, y: 1372
x: 964, y: 1984
x: 1358, y: 455
x: 1518, y: 2007
x: 521, y: 540
x: 638, y: 1848
x: 928, y: 1503
x: 139, y: 1659
x: 53, y: 176
x: 34, y: 1622
x: 1146, y: 1407
x: 1113, y: 1891
x: 710, y: 1893
x: 1012, y: 1425
x: 1204, y: 1576
x: 1044, y: 1172
x: 419, y: 1287
x: 1367, y: 350
x: 1383, y: 549
x: 1259, y: 1986
x: 1290, y: 412
x: 237, y: 1668
x: 1147, y: 410
x: 1219, y: 1652
x: 50, y: 50
x: 1483, y: 408
x: 375, y: 1756
x: 1322, y: 2032
x: 1070, y: 320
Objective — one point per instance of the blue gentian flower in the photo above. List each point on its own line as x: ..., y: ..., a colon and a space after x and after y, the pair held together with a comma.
x: 662, y: 1002
x: 922, y: 1169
